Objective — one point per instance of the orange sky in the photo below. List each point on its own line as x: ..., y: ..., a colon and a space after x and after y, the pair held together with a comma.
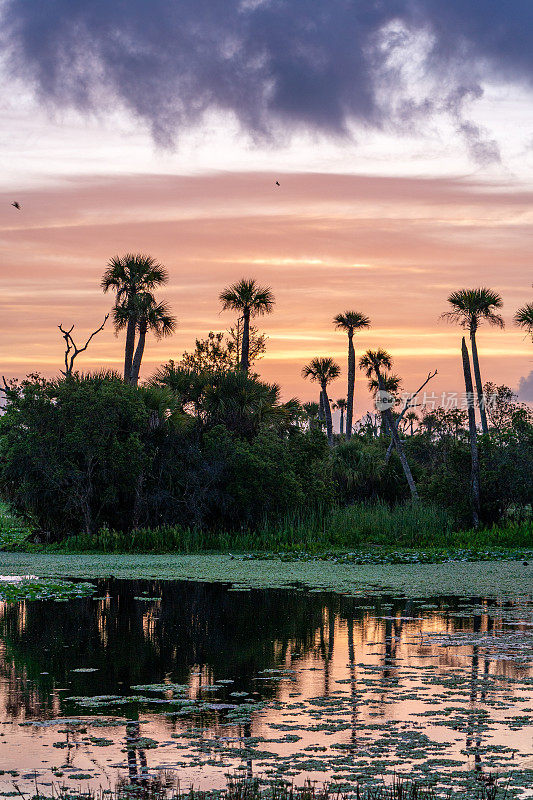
x: 392, y: 248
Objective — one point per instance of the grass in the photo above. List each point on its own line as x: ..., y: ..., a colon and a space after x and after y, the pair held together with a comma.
x: 341, y: 529
x: 401, y: 788
x: 13, y: 531
x: 378, y: 530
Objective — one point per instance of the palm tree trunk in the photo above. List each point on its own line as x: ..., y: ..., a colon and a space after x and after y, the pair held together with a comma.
x: 321, y: 411
x: 136, y: 366
x: 351, y: 385
x: 473, y: 434
x: 479, y: 385
x: 327, y: 412
x: 245, y: 351
x: 342, y: 422
x: 129, y: 348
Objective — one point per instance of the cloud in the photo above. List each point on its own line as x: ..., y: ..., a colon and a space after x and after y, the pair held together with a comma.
x: 525, y: 388
x: 276, y: 65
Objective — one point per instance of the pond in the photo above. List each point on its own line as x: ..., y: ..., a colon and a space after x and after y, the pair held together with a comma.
x: 199, y: 680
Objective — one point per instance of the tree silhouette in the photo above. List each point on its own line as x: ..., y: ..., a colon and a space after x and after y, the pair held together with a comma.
x: 129, y: 276
x: 470, y: 307
x: 350, y: 322
x: 323, y: 371
x: 252, y: 300
x: 373, y: 362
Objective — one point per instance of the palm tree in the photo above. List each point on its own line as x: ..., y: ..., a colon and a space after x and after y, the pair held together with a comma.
x: 391, y: 384
x: 373, y: 362
x: 311, y: 409
x: 323, y: 370
x: 252, y: 300
x: 152, y: 316
x: 351, y: 321
x: 470, y: 307
x: 524, y: 318
x: 341, y: 406
x: 410, y: 418
x: 128, y: 276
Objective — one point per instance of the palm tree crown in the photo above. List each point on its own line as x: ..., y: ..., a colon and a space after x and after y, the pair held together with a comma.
x: 524, y: 318
x: 390, y: 383
x: 133, y: 273
x: 246, y: 296
x: 373, y: 361
x: 351, y: 321
x: 323, y: 370
x: 470, y: 307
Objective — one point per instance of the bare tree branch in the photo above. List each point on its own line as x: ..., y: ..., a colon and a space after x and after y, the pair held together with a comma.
x: 71, y: 346
x: 408, y: 404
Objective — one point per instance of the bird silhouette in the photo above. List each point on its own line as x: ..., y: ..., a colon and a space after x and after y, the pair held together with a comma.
x: 277, y: 183
x: 16, y: 205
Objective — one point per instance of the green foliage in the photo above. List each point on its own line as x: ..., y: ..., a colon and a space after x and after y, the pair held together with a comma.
x: 214, y: 460
x: 361, y: 474
x: 73, y: 451
x: 91, y: 452
x: 13, y: 530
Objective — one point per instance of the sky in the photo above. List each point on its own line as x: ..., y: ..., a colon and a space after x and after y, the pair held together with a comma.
x: 400, y: 133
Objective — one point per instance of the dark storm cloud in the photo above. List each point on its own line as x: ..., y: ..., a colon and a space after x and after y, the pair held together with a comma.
x: 276, y: 64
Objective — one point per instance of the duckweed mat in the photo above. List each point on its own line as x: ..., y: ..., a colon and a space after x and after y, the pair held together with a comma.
x: 460, y: 578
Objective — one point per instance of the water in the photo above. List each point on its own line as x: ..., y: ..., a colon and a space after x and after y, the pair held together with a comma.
x: 265, y: 682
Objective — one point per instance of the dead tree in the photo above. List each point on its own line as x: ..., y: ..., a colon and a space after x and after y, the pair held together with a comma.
x: 72, y: 350
x: 408, y: 404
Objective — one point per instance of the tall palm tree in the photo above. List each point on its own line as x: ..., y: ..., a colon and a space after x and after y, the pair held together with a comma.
x: 323, y: 371
x: 373, y: 362
x: 128, y: 276
x: 341, y: 406
x: 252, y: 300
x: 471, y: 307
x: 524, y: 318
x: 152, y: 316
x: 350, y: 322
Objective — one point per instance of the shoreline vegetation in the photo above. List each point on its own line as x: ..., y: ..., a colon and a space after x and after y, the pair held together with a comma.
x: 365, y: 532
x: 483, y: 787
x: 205, y: 456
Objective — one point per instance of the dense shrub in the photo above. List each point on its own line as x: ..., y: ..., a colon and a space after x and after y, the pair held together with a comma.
x: 221, y: 455
x: 84, y: 453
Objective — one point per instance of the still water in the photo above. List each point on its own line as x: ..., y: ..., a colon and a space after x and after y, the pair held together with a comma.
x: 198, y: 680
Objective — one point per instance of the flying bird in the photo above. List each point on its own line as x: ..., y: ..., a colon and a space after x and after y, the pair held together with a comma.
x: 16, y: 205
x: 277, y: 183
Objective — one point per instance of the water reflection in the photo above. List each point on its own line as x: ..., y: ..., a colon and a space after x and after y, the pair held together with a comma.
x: 275, y: 682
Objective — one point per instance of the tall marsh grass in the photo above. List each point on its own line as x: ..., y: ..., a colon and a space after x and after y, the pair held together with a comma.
x: 358, y: 526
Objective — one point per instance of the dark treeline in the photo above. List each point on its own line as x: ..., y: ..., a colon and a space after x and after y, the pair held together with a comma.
x: 204, y: 444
